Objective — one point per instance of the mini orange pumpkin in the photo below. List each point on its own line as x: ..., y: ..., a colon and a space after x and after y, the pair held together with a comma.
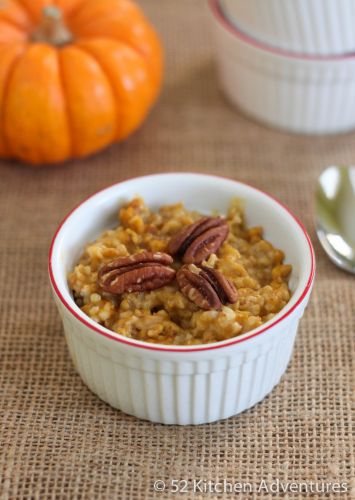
x: 74, y: 76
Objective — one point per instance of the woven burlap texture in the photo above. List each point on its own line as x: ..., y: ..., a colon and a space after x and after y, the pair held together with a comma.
x: 60, y: 441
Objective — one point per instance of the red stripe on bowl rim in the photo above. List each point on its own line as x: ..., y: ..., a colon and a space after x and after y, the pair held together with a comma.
x: 232, y: 28
x: 169, y: 348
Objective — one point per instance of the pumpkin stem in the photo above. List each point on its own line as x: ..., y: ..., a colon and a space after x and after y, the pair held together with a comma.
x: 52, y: 28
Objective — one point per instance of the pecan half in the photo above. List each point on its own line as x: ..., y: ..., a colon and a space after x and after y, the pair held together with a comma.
x: 140, y: 272
x: 206, y: 287
x: 194, y: 243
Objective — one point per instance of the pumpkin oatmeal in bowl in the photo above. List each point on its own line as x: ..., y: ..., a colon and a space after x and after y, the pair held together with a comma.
x: 181, y: 294
x: 176, y: 276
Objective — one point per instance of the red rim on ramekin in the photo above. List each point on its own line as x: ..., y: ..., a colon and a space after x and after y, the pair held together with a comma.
x: 168, y: 348
x: 232, y: 28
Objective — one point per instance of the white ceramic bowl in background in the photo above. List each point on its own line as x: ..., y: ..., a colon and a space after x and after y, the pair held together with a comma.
x: 314, y: 27
x: 298, y: 94
x: 181, y: 384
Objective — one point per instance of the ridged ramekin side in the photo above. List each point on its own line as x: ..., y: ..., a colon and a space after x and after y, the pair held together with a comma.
x: 297, y: 95
x: 314, y: 27
x: 176, y: 388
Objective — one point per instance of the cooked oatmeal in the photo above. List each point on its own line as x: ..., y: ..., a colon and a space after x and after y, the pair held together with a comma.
x: 252, y: 268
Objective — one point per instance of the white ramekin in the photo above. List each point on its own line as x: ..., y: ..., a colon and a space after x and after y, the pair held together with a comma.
x: 298, y: 94
x: 314, y: 27
x: 174, y: 384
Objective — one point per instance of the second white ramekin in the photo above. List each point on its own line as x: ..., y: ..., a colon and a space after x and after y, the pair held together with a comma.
x: 314, y: 27
x: 181, y: 384
x: 298, y: 94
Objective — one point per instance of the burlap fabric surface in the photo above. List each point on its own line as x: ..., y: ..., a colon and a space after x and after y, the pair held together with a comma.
x: 57, y: 439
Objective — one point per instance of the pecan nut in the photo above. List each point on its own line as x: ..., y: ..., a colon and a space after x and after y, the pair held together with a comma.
x: 139, y: 272
x: 206, y: 287
x: 195, y: 243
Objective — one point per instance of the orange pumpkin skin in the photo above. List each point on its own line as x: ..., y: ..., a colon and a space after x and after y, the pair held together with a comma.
x: 68, y: 101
